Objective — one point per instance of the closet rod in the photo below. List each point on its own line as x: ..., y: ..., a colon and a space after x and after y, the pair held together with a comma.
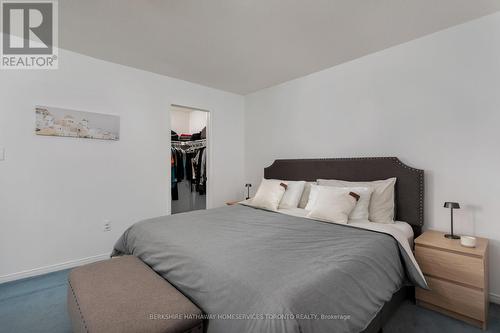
x: 189, y: 142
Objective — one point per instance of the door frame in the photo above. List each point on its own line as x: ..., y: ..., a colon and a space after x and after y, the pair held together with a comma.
x: 208, y: 203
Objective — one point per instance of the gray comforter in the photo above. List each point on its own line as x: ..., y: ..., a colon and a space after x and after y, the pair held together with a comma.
x: 252, y: 270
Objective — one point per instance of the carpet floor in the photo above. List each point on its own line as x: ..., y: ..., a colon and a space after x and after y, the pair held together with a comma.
x: 38, y: 304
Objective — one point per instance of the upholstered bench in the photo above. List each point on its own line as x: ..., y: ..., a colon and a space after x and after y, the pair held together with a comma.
x: 124, y: 295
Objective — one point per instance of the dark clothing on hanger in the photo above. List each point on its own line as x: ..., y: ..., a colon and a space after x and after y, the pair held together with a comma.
x: 179, y: 165
x: 174, y: 191
x: 189, y: 166
x: 200, y: 171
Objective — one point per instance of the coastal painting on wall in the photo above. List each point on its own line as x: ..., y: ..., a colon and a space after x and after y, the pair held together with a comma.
x: 76, y: 124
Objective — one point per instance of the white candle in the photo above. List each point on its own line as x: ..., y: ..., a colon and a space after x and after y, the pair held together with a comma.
x: 468, y: 241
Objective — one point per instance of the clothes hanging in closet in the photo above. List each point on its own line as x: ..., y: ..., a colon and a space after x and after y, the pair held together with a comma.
x: 190, y: 166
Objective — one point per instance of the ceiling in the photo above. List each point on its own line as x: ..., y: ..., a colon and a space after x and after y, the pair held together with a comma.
x: 243, y: 46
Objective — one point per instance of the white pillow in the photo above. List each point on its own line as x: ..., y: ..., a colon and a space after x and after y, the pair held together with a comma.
x: 305, y: 194
x: 313, y: 195
x: 381, y: 208
x: 333, y: 204
x: 360, y: 211
x: 292, y: 195
x: 269, y: 194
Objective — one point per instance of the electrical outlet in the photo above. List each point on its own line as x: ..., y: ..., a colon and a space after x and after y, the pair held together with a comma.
x: 107, y: 225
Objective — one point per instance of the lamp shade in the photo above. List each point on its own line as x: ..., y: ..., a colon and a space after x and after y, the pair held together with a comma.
x: 453, y: 205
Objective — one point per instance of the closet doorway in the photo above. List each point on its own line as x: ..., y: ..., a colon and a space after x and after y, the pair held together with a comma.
x: 189, y: 158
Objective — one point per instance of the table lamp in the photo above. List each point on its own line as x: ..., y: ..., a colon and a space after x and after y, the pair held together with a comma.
x: 451, y: 206
x: 248, y: 190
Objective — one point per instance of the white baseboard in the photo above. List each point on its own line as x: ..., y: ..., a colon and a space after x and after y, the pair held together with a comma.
x: 52, y: 268
x: 494, y: 298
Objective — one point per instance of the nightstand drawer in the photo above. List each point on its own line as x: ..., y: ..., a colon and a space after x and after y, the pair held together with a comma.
x: 451, y: 266
x: 459, y: 299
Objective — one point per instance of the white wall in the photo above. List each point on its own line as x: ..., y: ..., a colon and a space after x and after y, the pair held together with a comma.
x: 197, y: 121
x: 179, y: 121
x: 56, y: 192
x: 433, y: 102
x: 183, y: 120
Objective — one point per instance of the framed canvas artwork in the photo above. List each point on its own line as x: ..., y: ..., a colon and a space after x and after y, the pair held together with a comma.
x: 52, y: 121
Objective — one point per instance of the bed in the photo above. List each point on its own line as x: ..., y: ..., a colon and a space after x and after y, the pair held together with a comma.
x: 252, y: 270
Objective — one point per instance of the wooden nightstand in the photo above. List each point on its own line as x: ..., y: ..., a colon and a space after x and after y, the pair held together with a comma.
x: 456, y: 275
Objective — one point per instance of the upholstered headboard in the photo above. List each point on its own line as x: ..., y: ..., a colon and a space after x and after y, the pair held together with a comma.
x: 409, y: 184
